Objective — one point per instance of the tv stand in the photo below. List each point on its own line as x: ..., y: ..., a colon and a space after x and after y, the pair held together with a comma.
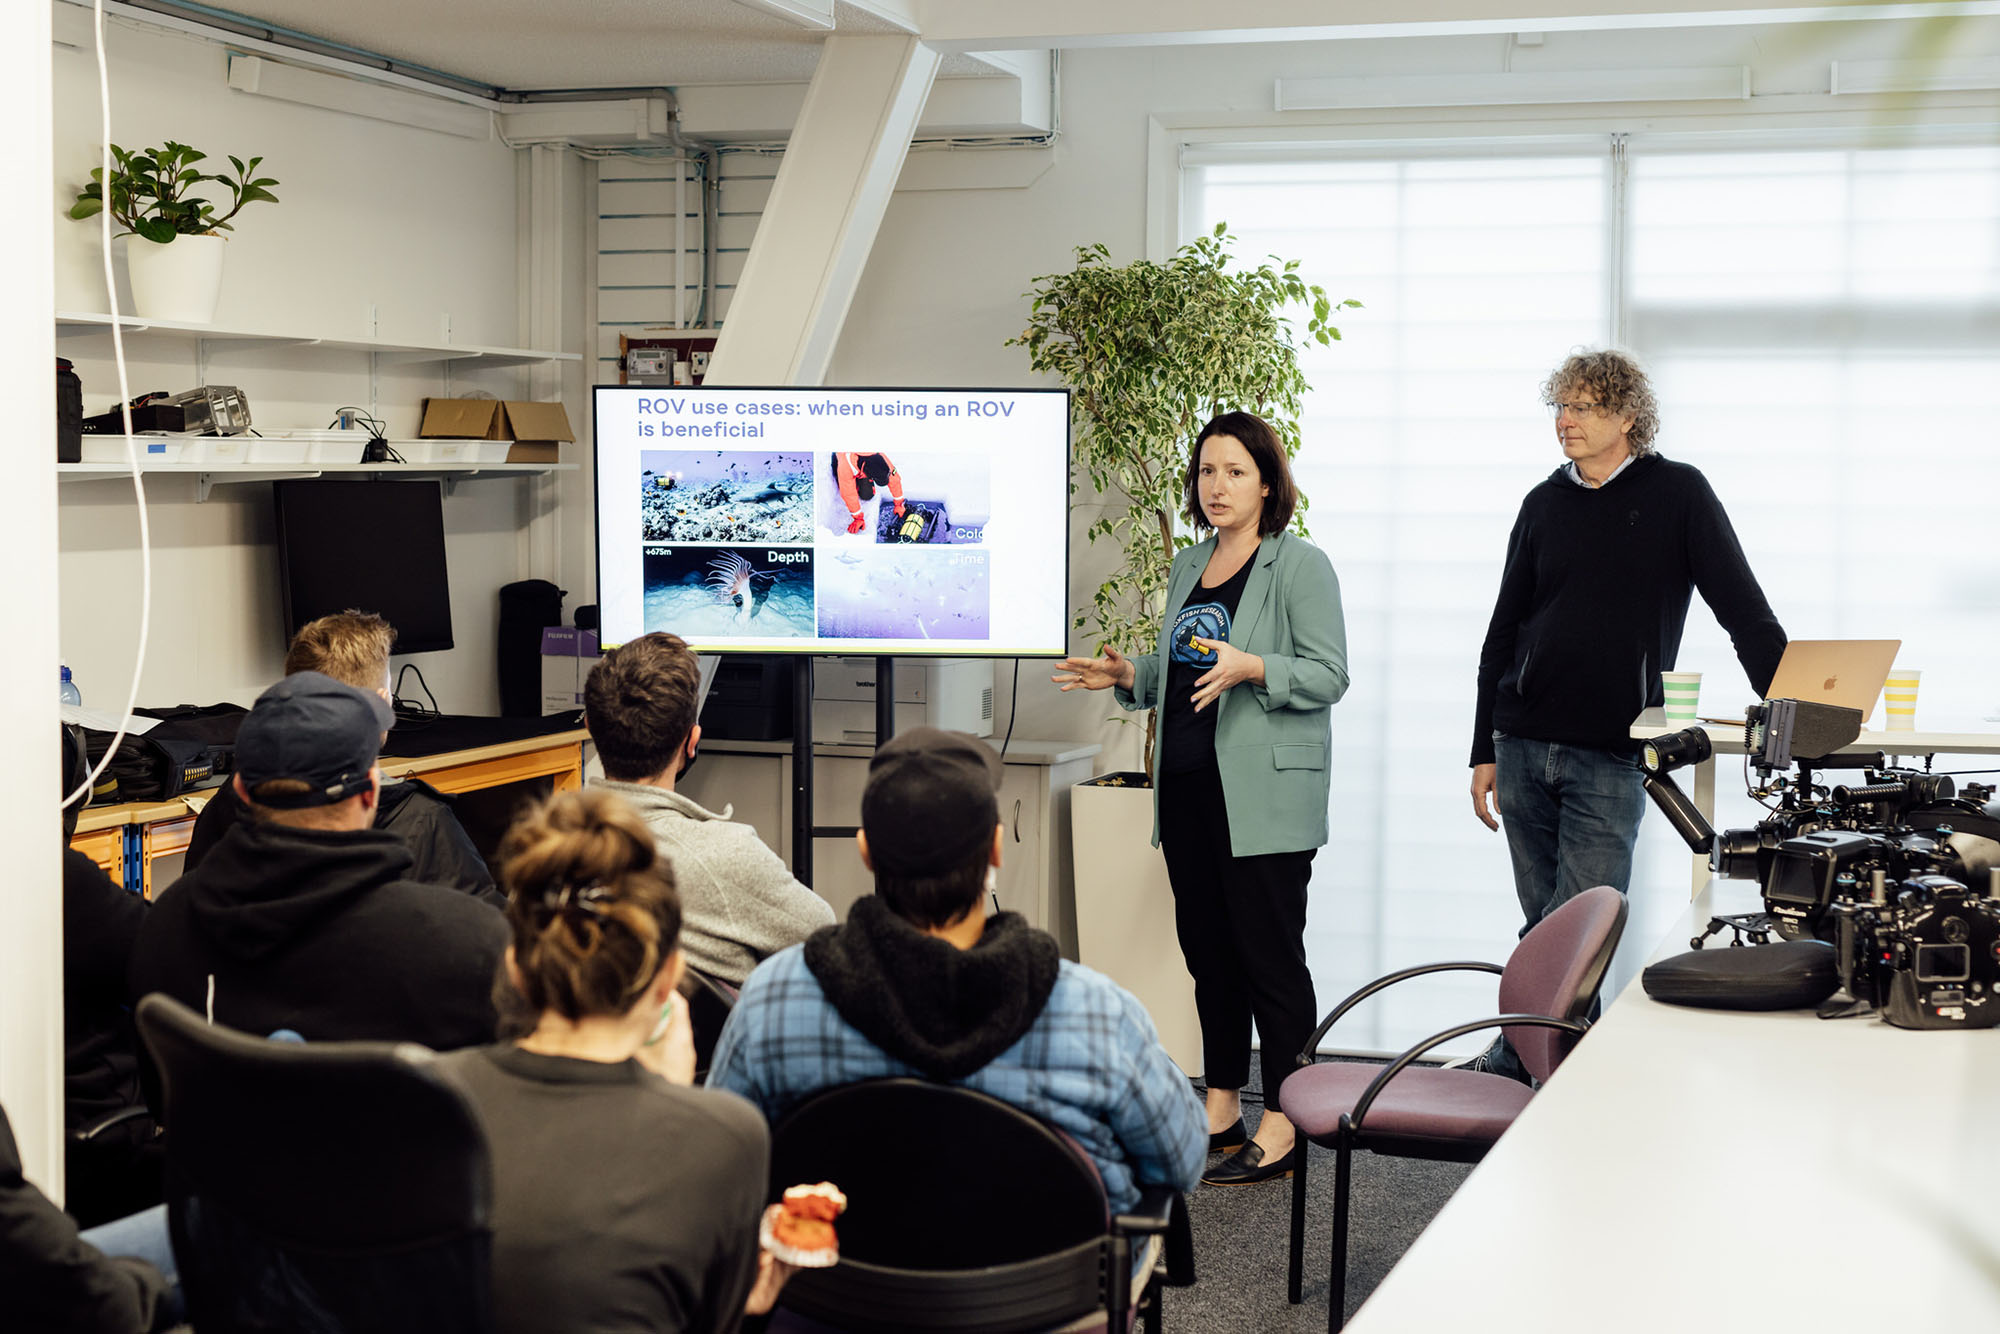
x: 804, y: 831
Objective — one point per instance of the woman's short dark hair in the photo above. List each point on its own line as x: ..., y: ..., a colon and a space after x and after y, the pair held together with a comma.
x: 1266, y: 451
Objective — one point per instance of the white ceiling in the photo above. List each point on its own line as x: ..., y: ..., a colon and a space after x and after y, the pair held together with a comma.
x: 554, y: 44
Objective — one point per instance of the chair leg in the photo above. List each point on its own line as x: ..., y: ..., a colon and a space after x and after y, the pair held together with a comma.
x: 1336, y: 1294
x: 1156, y: 1294
x: 1295, y: 1279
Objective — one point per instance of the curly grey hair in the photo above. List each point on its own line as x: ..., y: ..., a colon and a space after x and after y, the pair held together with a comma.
x: 1618, y: 381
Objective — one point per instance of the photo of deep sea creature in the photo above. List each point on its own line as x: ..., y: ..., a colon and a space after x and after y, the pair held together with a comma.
x: 705, y: 593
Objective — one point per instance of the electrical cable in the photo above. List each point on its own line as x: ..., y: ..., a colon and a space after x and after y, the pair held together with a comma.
x: 82, y: 793
x: 1013, y: 698
x: 411, y: 708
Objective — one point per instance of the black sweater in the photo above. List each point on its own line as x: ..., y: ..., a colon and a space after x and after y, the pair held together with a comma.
x: 52, y: 1279
x: 320, y: 931
x: 411, y: 809
x: 1593, y: 600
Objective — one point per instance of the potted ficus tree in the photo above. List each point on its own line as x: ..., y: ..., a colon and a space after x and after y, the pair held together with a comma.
x: 174, y: 231
x: 1151, y: 351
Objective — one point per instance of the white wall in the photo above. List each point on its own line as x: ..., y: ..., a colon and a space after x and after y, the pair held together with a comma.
x: 943, y: 288
x: 415, y: 227
x: 31, y: 1053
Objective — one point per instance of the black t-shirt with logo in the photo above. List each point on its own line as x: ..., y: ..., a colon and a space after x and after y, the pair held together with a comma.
x: 1187, y: 737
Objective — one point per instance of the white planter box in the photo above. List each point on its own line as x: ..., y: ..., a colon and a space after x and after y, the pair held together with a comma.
x: 1125, y: 912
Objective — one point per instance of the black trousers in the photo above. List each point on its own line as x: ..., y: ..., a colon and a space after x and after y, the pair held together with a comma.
x: 1242, y: 925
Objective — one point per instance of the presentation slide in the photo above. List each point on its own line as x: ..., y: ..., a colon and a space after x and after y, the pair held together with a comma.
x: 849, y: 521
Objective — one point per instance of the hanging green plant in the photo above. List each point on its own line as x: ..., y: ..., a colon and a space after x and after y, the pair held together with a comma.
x: 150, y: 192
x: 1150, y: 352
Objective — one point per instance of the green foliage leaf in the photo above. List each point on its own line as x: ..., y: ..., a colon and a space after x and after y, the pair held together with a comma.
x: 150, y: 192
x: 1151, y: 351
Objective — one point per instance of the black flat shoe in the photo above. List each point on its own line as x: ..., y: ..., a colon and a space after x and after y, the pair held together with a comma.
x: 1230, y: 1140
x: 1249, y: 1167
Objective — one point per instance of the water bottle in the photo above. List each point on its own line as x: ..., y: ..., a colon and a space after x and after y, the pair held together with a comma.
x: 70, y: 694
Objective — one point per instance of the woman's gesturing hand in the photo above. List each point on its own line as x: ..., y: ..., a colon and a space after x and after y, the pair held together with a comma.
x: 1232, y: 667
x: 1113, y: 669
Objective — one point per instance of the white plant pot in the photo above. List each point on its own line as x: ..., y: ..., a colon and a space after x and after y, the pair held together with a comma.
x: 1125, y: 912
x: 180, y: 281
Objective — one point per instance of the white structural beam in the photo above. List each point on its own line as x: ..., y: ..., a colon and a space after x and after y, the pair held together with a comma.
x: 31, y: 1051
x: 994, y: 106
x: 826, y: 203
x: 951, y: 25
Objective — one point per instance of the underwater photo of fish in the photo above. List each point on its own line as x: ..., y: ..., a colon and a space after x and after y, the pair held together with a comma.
x: 703, y: 593
x: 906, y: 592
x: 718, y: 495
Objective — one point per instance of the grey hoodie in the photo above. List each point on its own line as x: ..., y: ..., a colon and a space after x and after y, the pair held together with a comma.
x: 739, y: 905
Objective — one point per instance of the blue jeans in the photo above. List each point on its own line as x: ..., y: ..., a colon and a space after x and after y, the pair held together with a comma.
x: 143, y: 1236
x: 1572, y: 817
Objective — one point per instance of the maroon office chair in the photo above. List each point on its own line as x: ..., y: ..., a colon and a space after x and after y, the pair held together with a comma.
x: 1448, y: 1115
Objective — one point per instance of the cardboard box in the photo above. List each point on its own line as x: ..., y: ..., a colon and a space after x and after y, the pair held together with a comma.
x: 537, y: 429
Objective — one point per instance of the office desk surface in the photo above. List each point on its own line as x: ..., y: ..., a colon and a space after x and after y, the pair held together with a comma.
x: 1701, y: 1170
x: 1965, y: 736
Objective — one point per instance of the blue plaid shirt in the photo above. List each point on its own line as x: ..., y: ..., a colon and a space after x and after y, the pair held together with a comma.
x: 1092, y: 1065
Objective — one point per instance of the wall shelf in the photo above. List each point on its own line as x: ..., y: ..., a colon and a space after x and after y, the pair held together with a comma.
x: 208, y: 476
x: 72, y: 324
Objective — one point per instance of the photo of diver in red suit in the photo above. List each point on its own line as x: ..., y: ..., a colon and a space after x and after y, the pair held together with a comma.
x: 858, y: 475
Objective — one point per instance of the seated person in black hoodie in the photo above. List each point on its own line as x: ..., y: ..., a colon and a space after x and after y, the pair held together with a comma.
x: 353, y: 647
x: 51, y: 1278
x: 118, y: 1172
x: 305, y: 916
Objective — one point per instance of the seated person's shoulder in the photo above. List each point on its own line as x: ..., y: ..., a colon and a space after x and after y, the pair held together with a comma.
x: 1084, y: 990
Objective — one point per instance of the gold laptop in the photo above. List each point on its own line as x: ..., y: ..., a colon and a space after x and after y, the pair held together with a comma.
x: 1846, y: 672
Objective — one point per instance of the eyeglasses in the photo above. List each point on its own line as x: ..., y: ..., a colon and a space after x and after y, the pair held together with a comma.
x: 1580, y: 410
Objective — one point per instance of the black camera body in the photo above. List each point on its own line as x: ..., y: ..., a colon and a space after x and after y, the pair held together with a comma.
x: 1900, y: 873
x: 1927, y: 958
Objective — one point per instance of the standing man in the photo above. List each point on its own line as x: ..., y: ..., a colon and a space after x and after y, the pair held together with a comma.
x: 1600, y: 569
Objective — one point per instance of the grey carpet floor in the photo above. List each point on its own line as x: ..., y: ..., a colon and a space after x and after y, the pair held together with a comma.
x: 1240, y: 1237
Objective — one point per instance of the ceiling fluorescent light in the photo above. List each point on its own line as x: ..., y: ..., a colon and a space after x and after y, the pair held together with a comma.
x: 1916, y: 76
x: 1721, y: 83
x: 333, y: 92
x: 815, y: 14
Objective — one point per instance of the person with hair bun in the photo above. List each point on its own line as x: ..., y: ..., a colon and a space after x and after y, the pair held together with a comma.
x: 622, y: 1198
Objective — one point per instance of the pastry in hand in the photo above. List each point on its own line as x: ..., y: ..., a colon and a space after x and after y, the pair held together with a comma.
x: 802, y: 1224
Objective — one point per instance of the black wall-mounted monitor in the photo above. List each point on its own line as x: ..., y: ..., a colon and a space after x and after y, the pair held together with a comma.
x: 367, y: 545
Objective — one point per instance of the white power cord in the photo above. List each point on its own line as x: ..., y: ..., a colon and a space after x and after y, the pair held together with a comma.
x: 83, y: 790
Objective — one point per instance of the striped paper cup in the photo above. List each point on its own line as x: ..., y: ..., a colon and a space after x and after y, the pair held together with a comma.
x: 1899, y: 699
x: 1682, y: 689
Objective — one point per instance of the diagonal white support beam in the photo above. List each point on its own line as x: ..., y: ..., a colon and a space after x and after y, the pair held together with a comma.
x: 825, y: 207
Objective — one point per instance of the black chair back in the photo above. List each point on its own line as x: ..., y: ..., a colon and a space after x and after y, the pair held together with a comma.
x: 709, y: 1001
x: 963, y: 1212
x: 324, y: 1188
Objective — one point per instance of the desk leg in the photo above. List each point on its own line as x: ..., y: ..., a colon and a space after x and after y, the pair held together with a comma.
x: 1704, y: 801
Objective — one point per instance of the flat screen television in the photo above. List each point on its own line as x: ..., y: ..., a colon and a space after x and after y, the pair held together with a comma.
x: 838, y: 521
x: 366, y: 545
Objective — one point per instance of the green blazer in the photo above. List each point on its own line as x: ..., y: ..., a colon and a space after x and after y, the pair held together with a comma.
x: 1271, y: 741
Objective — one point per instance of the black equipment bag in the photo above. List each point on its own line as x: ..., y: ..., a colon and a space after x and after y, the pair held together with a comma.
x: 526, y: 609
x: 1788, y: 975
x: 190, y: 745
x: 69, y: 413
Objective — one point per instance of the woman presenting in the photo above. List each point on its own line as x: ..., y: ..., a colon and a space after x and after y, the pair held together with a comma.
x: 1251, y: 659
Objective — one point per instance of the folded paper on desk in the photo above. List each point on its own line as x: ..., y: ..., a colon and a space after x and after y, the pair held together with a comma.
x: 105, y: 722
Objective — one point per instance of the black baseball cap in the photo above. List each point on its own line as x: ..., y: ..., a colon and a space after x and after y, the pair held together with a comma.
x: 930, y: 805
x: 310, y: 727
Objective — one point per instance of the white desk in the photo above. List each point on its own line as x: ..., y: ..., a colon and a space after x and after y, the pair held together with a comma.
x: 1699, y: 1170
x: 1728, y: 740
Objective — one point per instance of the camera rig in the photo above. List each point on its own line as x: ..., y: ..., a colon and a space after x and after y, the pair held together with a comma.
x: 1900, y: 872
